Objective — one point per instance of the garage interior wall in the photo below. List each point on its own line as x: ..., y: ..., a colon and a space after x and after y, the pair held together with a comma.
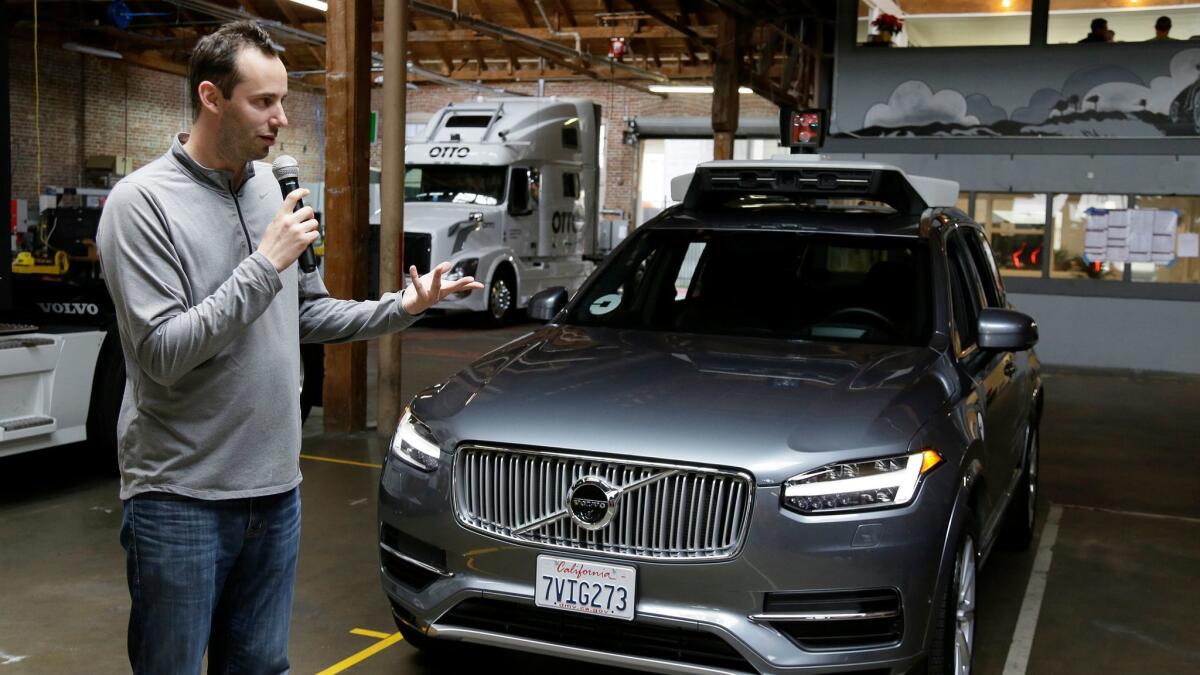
x: 1000, y: 141
x: 95, y: 106
x: 84, y: 112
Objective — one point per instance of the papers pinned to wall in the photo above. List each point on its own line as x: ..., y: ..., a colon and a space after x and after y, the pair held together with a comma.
x: 1189, y: 245
x: 1131, y: 235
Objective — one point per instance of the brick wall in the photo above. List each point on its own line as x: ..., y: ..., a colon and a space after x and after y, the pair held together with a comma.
x: 93, y: 106
x: 97, y: 106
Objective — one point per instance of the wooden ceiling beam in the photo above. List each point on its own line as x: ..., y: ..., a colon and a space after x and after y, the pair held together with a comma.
x: 585, y: 32
x: 293, y: 19
x: 525, y: 12
x: 513, y: 63
x: 694, y: 38
x: 566, y: 13
x: 563, y: 73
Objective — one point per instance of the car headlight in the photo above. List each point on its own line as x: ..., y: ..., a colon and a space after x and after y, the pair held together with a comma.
x: 869, y: 484
x: 414, y: 443
x: 463, y: 268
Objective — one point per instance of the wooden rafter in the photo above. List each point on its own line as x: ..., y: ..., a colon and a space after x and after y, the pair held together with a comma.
x: 526, y: 12
x: 693, y: 38
x: 586, y: 32
x: 683, y: 16
x: 576, y: 68
x: 513, y: 64
x: 293, y: 18
x: 566, y: 13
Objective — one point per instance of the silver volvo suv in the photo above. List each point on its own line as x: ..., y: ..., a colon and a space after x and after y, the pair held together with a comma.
x: 777, y: 431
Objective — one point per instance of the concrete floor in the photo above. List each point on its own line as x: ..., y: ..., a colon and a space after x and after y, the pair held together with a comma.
x: 1119, y: 466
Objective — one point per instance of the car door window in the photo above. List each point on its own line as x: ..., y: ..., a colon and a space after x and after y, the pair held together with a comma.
x: 968, y: 296
x: 985, y: 266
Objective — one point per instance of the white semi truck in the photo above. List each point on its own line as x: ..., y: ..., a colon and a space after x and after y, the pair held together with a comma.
x: 507, y: 190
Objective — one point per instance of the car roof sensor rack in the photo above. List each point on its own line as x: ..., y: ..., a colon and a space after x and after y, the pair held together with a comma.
x: 715, y: 183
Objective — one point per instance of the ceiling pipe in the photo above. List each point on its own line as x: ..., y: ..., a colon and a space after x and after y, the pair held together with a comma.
x: 510, y: 34
x: 557, y: 33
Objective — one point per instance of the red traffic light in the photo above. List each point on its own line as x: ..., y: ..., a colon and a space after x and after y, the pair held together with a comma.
x: 803, y: 128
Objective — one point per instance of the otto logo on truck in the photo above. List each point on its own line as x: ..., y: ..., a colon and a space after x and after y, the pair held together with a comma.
x: 563, y: 221
x: 69, y: 308
x: 449, y: 151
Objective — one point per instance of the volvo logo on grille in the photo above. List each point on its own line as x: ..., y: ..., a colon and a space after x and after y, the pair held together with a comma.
x: 592, y: 502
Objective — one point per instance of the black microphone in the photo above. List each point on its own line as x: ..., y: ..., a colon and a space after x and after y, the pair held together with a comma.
x: 287, y: 172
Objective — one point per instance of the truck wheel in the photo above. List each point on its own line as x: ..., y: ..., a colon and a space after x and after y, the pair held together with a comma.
x: 108, y: 388
x: 502, y: 298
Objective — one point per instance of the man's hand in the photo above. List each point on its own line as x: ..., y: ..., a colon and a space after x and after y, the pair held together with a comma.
x: 426, y: 291
x: 289, y: 233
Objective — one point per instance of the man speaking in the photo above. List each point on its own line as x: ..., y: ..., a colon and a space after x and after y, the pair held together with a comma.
x: 199, y: 255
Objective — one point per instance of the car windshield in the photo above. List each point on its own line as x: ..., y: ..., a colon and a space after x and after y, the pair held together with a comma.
x: 457, y: 184
x: 787, y: 285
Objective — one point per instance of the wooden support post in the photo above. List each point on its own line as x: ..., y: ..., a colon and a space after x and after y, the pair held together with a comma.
x: 348, y: 102
x: 725, y: 87
x: 391, y: 188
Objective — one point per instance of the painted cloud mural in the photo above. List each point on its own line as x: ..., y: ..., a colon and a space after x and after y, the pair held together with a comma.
x: 1101, y: 100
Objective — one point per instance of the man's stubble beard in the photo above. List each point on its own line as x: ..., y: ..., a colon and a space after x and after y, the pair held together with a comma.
x: 237, y: 148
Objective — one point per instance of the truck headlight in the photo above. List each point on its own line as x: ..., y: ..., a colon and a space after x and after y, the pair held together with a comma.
x: 463, y: 268
x: 869, y: 484
x: 414, y: 443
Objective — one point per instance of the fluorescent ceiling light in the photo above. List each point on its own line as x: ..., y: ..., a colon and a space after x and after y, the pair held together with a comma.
x: 689, y: 89
x: 93, y: 51
x: 315, y: 4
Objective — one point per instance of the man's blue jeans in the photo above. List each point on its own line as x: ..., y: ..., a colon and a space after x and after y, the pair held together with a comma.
x: 215, y: 574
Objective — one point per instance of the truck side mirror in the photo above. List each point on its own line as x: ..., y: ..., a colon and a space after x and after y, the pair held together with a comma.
x: 1006, y: 330
x: 546, y: 305
x: 518, y: 193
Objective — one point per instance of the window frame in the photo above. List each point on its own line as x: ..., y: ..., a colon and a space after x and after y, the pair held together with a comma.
x: 1044, y: 284
x: 958, y: 261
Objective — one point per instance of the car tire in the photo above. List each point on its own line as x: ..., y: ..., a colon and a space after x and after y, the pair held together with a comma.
x: 104, y: 408
x: 502, y: 298
x: 1196, y: 111
x: 952, y: 650
x: 1019, y: 521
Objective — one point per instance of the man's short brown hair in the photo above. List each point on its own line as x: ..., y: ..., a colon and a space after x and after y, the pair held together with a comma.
x: 215, y: 57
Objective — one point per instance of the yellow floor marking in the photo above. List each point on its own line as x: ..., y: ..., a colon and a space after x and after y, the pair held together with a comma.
x: 370, y: 633
x: 363, y: 655
x: 340, y: 461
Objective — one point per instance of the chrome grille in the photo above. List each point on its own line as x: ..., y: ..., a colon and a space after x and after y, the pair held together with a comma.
x: 662, y: 511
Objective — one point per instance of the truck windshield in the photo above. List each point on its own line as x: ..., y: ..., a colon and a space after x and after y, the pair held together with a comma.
x: 457, y: 184
x: 755, y: 283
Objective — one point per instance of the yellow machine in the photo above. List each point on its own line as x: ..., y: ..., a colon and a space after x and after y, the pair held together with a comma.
x: 27, y: 263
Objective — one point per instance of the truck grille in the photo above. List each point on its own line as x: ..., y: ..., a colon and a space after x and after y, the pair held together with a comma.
x: 661, y: 511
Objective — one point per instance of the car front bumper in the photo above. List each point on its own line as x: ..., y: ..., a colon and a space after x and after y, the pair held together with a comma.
x: 456, y: 583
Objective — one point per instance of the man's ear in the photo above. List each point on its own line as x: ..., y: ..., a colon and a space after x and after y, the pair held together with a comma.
x: 210, y: 96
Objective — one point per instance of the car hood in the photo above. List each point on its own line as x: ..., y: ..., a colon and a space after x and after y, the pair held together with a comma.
x: 771, y: 407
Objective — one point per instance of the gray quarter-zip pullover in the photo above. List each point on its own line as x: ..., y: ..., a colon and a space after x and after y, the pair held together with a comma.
x: 211, y: 333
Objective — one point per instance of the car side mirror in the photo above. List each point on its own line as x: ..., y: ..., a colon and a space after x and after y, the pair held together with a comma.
x: 546, y: 305
x: 1006, y: 330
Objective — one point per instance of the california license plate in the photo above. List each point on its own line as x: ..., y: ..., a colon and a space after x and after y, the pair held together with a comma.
x: 587, y: 587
